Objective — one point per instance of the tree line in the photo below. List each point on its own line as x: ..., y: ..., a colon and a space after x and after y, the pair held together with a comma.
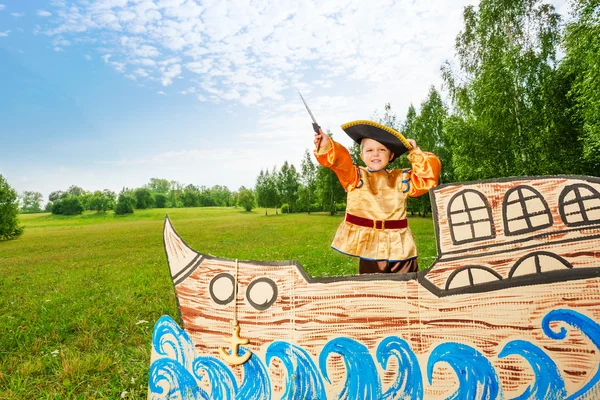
x: 158, y: 193
x: 307, y: 190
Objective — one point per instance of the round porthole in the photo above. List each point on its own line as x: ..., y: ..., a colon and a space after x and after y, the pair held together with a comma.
x: 221, y: 288
x: 261, y: 293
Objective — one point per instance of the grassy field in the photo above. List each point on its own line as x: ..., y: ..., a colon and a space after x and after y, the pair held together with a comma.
x: 79, y: 295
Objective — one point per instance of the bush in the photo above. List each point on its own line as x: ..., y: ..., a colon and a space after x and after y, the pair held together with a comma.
x: 286, y: 209
x: 70, y: 205
x: 160, y: 200
x: 125, y: 204
x: 144, y: 198
x: 9, y: 212
x: 246, y: 199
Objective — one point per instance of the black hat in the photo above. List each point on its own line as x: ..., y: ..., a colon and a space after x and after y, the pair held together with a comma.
x: 390, y: 138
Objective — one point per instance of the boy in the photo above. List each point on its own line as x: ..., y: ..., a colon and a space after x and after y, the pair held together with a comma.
x: 375, y: 228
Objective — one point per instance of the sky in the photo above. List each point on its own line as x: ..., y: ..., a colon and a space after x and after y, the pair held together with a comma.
x: 107, y: 94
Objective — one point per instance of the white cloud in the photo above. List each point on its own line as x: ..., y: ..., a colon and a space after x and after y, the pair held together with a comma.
x: 43, y: 13
x: 255, y: 53
x: 348, y: 57
x: 119, y: 66
x: 5, y: 33
x: 2, y: 6
x: 17, y: 15
x: 60, y: 41
x: 87, y: 57
x: 169, y: 73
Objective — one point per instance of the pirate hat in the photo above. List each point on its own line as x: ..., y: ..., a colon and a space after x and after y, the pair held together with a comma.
x: 390, y: 138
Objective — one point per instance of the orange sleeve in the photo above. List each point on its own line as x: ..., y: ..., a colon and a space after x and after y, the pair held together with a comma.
x: 337, y: 158
x: 425, y: 173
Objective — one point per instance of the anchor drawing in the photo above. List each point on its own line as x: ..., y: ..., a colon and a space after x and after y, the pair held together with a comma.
x: 235, y: 341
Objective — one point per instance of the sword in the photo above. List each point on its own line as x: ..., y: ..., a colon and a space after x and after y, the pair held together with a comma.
x: 315, y: 125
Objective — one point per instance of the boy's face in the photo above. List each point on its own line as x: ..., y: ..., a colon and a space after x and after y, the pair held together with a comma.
x: 374, y: 154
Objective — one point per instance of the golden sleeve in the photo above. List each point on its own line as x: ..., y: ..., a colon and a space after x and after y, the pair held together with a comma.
x: 425, y: 173
x: 337, y: 158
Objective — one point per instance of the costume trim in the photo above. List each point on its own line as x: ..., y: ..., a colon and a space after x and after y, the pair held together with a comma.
x: 370, y: 259
x: 380, y: 126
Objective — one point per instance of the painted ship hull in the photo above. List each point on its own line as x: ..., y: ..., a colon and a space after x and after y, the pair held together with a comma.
x: 510, y: 309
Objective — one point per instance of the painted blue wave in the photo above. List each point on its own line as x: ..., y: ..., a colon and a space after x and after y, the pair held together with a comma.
x: 169, y: 340
x: 256, y: 384
x: 179, y: 381
x: 548, y: 384
x: 362, y: 381
x: 476, y: 375
x: 409, y: 382
x: 222, y: 381
x: 303, y: 378
x: 588, y: 327
x: 177, y: 372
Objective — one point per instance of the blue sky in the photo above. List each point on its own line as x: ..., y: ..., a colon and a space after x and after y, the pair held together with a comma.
x: 110, y: 93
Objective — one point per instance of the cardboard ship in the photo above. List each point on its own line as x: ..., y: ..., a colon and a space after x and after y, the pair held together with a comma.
x: 510, y: 309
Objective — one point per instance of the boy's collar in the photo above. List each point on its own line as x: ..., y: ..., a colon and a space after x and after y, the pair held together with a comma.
x: 370, y: 170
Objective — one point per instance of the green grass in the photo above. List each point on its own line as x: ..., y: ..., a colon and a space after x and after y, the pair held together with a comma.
x: 79, y: 295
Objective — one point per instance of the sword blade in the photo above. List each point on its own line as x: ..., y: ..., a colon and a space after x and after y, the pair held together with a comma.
x: 307, y: 109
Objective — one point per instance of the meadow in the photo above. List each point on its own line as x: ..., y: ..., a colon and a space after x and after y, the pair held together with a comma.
x: 79, y: 295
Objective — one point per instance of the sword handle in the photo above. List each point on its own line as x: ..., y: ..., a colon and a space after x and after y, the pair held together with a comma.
x: 318, y: 130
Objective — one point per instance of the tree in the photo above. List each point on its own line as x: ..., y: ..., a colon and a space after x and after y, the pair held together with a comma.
x: 266, y: 189
x: 506, y: 53
x: 273, y: 190
x: 260, y: 190
x: 31, y: 201
x: 102, y: 201
x: 144, y: 198
x: 176, y: 189
x: 234, y: 198
x: 246, y: 198
x: 220, y: 195
x: 329, y: 190
x: 69, y: 205
x: 160, y: 200
x: 308, y: 176
x: 190, y: 196
x: 126, y: 202
x: 581, y: 66
x: 56, y: 195
x: 430, y: 131
x: 75, y: 191
x: 287, y: 183
x: 157, y: 185
x: 9, y: 212
x: 205, y: 198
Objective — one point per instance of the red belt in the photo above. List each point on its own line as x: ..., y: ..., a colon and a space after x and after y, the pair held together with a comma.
x: 377, y: 224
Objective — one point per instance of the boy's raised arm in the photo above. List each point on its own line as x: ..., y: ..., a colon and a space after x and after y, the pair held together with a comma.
x: 425, y: 173
x: 336, y: 157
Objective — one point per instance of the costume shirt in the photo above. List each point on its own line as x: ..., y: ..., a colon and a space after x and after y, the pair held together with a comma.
x: 378, y: 195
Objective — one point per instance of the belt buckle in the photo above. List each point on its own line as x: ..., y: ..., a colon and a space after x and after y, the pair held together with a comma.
x: 382, y: 225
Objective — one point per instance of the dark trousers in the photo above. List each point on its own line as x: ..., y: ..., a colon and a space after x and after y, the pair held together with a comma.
x: 384, y: 266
